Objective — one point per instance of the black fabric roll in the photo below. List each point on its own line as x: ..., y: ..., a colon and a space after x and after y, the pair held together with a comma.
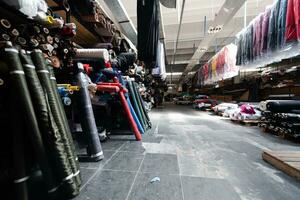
x: 283, y: 106
x: 135, y: 104
x: 148, y: 29
x: 49, y: 130
x: 87, y: 118
x: 19, y: 166
x: 19, y: 86
x: 44, y: 77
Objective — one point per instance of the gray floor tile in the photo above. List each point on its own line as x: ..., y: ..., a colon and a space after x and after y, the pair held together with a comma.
x: 160, y: 163
x: 195, y: 188
x: 112, y: 145
x: 125, y: 161
x: 168, y: 188
x: 108, y: 185
x: 96, y: 165
x: 86, y: 174
x: 133, y: 146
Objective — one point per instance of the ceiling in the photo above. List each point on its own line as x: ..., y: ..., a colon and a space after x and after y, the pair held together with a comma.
x: 192, y: 29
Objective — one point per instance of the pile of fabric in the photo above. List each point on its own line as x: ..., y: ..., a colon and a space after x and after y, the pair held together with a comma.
x: 281, y: 117
x: 245, y: 112
x: 224, y: 107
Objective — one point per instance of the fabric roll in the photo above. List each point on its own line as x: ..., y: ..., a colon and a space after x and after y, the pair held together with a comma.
x: 44, y: 77
x: 136, y: 105
x: 142, y: 105
x: 19, y: 166
x: 87, y: 118
x: 49, y: 130
x: 283, y: 106
x: 92, y: 53
x: 19, y: 86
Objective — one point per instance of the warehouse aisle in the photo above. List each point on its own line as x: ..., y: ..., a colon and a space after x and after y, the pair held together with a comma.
x: 196, y: 155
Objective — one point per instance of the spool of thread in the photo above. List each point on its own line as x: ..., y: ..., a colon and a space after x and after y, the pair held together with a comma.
x: 93, y: 53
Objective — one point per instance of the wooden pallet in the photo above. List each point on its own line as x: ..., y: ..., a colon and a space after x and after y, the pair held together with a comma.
x: 250, y: 122
x: 286, y: 161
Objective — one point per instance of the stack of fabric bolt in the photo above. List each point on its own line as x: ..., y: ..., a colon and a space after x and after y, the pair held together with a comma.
x: 281, y: 117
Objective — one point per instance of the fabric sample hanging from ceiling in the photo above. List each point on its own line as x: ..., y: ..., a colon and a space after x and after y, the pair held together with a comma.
x: 148, y: 30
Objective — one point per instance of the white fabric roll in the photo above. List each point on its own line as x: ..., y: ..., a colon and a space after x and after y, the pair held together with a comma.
x: 93, y: 53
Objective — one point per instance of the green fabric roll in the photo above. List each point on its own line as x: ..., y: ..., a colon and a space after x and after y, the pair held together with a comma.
x: 21, y: 93
x: 49, y: 130
x: 44, y: 77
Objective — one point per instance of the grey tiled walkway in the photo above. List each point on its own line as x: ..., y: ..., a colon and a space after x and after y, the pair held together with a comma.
x: 196, y: 155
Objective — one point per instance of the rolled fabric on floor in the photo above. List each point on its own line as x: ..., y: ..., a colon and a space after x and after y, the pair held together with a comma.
x: 44, y: 77
x: 144, y: 112
x: 19, y: 86
x: 92, y: 53
x: 135, y: 117
x: 49, y: 130
x: 136, y: 105
x: 283, y: 106
x: 87, y: 117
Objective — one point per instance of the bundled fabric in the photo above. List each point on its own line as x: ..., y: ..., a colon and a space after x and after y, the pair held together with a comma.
x: 47, y: 131
x: 281, y: 117
x: 219, y: 67
x: 148, y: 30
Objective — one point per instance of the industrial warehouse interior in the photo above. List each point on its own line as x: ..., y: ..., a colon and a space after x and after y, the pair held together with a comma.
x: 150, y: 99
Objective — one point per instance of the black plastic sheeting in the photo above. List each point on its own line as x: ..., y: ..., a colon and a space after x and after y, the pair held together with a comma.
x: 148, y: 30
x: 87, y: 118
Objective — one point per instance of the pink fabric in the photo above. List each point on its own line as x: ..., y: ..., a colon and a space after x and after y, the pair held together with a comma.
x: 247, y: 109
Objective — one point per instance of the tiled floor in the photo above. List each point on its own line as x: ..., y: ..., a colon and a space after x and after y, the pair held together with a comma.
x: 196, y: 155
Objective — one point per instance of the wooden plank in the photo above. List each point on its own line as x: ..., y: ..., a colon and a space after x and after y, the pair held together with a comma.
x: 288, y: 165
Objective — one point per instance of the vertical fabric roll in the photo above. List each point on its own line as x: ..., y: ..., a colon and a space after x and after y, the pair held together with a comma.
x: 142, y: 104
x: 19, y: 165
x: 137, y: 121
x: 44, y: 77
x: 49, y: 130
x: 64, y: 118
x: 136, y: 105
x: 87, y: 117
x: 19, y: 86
